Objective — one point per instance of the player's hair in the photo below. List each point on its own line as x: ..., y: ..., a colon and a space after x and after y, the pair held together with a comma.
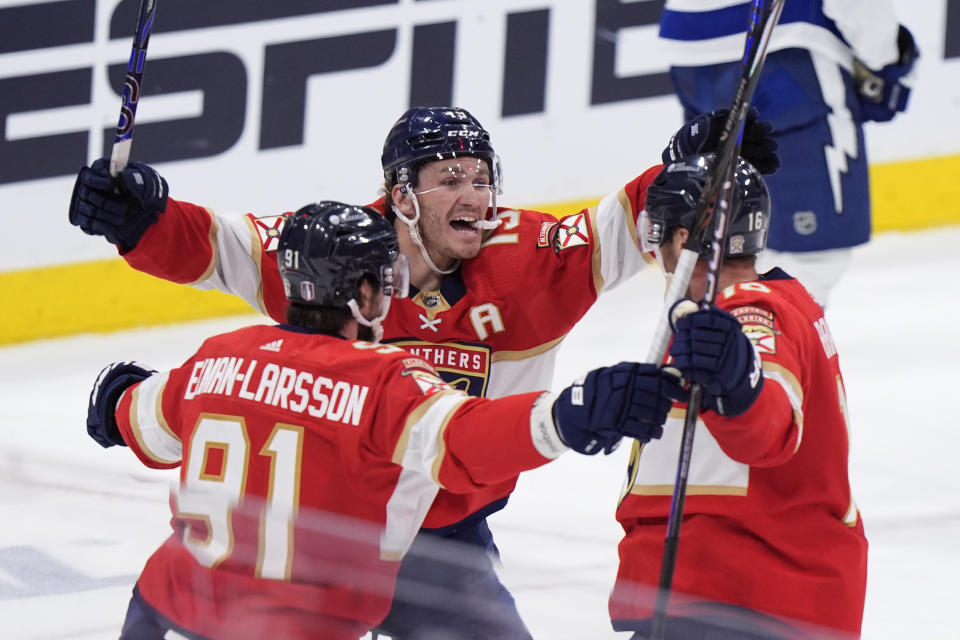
x: 326, y: 319
x: 388, y: 203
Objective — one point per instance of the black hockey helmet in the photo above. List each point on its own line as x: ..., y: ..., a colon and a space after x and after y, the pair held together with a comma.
x: 326, y: 248
x: 424, y: 134
x: 672, y: 201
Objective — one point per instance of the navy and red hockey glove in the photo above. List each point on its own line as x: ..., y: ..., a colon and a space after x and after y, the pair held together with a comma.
x: 702, y: 135
x: 883, y: 94
x: 120, y: 209
x: 627, y: 399
x: 113, y: 380
x: 710, y: 348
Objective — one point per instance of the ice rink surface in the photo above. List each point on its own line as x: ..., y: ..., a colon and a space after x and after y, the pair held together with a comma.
x: 79, y: 521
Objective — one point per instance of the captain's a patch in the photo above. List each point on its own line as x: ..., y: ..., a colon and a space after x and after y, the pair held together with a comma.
x: 759, y: 326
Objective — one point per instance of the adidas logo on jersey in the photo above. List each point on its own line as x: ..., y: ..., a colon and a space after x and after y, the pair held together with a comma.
x: 272, y: 346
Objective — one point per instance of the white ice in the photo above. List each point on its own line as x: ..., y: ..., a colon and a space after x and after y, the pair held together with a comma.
x: 78, y: 521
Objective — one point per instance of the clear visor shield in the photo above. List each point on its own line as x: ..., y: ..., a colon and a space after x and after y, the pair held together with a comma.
x: 460, y: 175
x: 395, y: 278
x: 650, y: 232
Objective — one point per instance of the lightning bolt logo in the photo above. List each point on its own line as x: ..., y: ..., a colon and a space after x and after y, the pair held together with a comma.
x: 843, y: 131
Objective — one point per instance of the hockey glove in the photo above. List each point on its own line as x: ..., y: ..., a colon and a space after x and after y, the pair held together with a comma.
x: 702, y: 135
x: 627, y: 399
x: 120, y: 209
x: 710, y: 348
x: 110, y: 385
x: 884, y: 93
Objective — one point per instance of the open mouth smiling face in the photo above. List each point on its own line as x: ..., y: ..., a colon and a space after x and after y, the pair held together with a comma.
x: 454, y: 195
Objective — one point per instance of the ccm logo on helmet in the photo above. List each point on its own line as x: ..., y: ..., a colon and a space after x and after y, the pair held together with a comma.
x: 465, y: 133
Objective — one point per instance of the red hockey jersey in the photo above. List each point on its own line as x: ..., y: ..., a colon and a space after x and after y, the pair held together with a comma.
x: 308, y: 463
x: 769, y: 522
x: 493, y: 328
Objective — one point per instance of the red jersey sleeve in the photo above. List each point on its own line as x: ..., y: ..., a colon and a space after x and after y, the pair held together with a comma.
x: 144, y: 418
x: 235, y: 254
x: 770, y: 432
x: 610, y: 228
x: 765, y: 435
x: 179, y: 246
x: 460, y: 442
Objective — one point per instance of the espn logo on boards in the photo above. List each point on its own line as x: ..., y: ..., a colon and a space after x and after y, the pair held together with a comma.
x: 219, y: 71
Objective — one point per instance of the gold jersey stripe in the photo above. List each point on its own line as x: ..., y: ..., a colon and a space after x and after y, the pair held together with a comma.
x: 597, y: 264
x: 138, y: 434
x: 256, y: 253
x: 416, y: 416
x: 692, y: 490
x: 527, y: 353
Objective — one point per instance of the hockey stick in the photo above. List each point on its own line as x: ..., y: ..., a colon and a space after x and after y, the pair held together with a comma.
x: 762, y: 20
x: 123, y: 139
x: 717, y: 192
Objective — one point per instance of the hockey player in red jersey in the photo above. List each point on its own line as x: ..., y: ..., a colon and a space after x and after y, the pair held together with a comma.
x: 308, y: 458
x: 771, y: 540
x: 493, y: 295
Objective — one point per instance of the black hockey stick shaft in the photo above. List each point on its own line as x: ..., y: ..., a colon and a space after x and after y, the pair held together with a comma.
x: 123, y: 139
x: 764, y: 14
x: 715, y: 200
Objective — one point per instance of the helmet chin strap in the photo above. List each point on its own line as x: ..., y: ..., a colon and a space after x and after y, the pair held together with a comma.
x: 377, y: 323
x: 667, y: 275
x: 415, y: 235
x: 659, y: 257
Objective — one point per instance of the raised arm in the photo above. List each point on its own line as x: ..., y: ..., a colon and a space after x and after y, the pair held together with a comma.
x: 175, y: 240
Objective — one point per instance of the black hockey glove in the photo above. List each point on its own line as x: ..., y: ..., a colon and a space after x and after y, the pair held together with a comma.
x: 710, y: 348
x: 702, y: 135
x: 884, y: 93
x: 627, y: 399
x: 120, y: 209
x: 110, y: 385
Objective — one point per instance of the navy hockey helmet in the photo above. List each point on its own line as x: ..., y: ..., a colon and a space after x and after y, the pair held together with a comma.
x: 672, y: 201
x: 424, y: 134
x: 326, y: 248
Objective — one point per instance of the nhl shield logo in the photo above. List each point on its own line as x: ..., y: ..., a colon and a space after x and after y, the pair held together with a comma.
x: 805, y: 222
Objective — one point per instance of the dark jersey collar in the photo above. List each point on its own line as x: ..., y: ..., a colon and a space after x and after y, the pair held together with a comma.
x: 452, y: 287
x: 775, y: 274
